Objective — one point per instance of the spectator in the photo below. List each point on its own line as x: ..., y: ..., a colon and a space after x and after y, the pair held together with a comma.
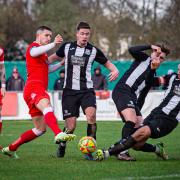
x: 99, y: 80
x: 15, y: 82
x: 59, y: 83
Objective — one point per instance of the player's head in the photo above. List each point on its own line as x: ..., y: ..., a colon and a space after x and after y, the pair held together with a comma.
x: 160, y: 57
x: 83, y: 31
x: 43, y: 35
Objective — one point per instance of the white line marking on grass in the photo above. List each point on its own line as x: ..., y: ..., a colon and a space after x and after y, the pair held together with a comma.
x: 155, y: 177
x: 7, y: 135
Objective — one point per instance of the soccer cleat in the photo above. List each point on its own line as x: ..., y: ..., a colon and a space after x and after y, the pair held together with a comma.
x: 61, y: 150
x: 89, y: 157
x: 11, y: 154
x: 161, y: 153
x: 125, y: 157
x: 99, y: 155
x: 63, y: 137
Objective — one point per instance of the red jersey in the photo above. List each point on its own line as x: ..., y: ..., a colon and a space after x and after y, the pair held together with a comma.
x: 1, y: 55
x: 37, y: 68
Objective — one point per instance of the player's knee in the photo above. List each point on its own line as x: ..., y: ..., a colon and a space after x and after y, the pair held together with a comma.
x: 141, y: 134
x: 39, y: 132
x: 146, y: 132
x: 91, y: 118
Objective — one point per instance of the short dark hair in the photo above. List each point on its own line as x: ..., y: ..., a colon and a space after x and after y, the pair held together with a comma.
x: 42, y: 28
x: 164, y: 48
x: 83, y: 25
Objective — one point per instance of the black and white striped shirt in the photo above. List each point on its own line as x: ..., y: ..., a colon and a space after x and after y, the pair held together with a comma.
x: 137, y: 76
x: 78, y: 64
x: 171, y: 102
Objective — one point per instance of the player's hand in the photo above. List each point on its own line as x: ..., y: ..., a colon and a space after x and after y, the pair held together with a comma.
x: 58, y: 39
x: 113, y: 75
x: 62, y: 62
x: 3, y: 90
x: 155, y: 63
x: 156, y: 49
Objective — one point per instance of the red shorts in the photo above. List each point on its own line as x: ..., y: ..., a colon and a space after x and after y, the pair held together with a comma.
x: 33, y: 93
x: 1, y: 99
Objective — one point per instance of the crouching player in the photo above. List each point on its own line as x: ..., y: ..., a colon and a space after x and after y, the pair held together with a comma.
x: 35, y: 93
x: 161, y: 121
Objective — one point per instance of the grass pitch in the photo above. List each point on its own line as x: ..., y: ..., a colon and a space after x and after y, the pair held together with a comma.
x: 37, y: 159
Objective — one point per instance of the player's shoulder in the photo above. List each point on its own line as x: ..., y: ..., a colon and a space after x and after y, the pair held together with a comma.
x: 34, y: 44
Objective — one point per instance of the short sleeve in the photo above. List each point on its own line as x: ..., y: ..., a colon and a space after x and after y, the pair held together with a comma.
x: 100, y: 57
x: 60, y: 51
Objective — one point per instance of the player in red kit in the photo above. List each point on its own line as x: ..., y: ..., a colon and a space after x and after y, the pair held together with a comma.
x: 35, y: 93
x: 3, y: 82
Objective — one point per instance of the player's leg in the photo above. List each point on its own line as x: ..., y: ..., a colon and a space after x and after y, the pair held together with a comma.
x: 125, y: 104
x: 70, y: 108
x: 44, y: 106
x: 130, y: 120
x: 140, y: 135
x: 91, y: 120
x: 70, y: 125
x: 27, y: 136
x: 88, y: 104
x: 1, y: 123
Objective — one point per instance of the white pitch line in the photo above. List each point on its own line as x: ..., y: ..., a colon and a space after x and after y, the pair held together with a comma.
x: 1, y: 135
x: 154, y: 177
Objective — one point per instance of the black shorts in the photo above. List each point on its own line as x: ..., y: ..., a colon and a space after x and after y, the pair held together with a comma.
x: 72, y: 100
x: 124, y: 98
x: 160, y: 123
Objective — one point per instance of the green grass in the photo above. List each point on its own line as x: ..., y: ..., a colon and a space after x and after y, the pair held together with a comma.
x: 37, y: 162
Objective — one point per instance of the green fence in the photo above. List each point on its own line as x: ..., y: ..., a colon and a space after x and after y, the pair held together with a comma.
x: 121, y: 65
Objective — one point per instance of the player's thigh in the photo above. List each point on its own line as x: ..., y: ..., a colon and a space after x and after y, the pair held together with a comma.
x: 70, y: 106
x: 90, y: 113
x: 160, y: 124
x: 129, y: 114
x: 39, y: 123
x: 88, y: 99
x: 43, y: 103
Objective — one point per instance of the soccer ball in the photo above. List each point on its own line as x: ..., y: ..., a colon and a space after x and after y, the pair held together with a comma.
x: 87, y: 144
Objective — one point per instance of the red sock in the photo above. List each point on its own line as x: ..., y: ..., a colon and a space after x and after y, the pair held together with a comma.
x: 51, y: 121
x: 0, y: 127
x: 24, y: 138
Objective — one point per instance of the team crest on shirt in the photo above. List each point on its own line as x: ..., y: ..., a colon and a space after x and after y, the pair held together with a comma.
x: 87, y: 52
x: 33, y: 95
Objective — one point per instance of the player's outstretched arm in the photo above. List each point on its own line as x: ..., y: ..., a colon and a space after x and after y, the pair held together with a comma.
x: 114, y: 71
x: 37, y: 51
x: 55, y: 67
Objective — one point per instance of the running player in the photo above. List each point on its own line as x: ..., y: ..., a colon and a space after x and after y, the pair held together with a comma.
x: 35, y: 93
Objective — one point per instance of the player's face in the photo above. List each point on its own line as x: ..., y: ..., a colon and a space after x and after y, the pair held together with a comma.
x: 157, y: 58
x: 83, y: 36
x: 179, y: 71
x: 45, y: 37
